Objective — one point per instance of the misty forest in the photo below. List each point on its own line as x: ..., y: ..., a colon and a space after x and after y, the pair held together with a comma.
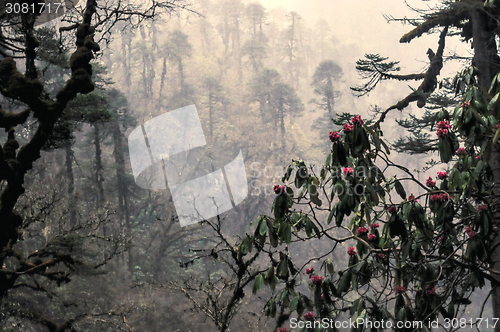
x: 371, y: 180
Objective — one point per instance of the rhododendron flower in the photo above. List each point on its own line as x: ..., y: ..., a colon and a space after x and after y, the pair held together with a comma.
x: 441, y: 238
x: 478, y: 157
x: 279, y: 189
x: 284, y: 329
x: 483, y: 207
x: 310, y: 271
x: 347, y: 170
x: 400, y: 289
x: 361, y: 231
x: 465, y: 104
x: 334, y: 136
x: 348, y: 127
x: 381, y: 255
x: 444, y: 124
x: 440, y: 197
x: 441, y: 132
x: 375, y: 225
x: 317, y: 280
x: 412, y: 198
x: 497, y: 126
x: 431, y: 291
x: 372, y: 237
x: 309, y: 316
x: 356, y: 120
x: 351, y: 251
x: 461, y: 152
x: 392, y: 209
x: 470, y: 232
x: 429, y: 182
x: 442, y: 175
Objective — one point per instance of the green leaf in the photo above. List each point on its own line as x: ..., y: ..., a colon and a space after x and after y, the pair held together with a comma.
x: 262, y: 227
x: 330, y: 216
x: 258, y: 283
x: 283, y: 267
x: 314, y: 193
x: 293, y: 304
x: 493, y: 101
x: 288, y: 233
x: 269, y: 274
x: 329, y: 266
x: 400, y: 190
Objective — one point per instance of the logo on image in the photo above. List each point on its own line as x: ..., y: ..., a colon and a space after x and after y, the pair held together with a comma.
x: 171, y: 149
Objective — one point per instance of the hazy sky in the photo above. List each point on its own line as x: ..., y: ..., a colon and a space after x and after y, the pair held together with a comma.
x: 360, y: 28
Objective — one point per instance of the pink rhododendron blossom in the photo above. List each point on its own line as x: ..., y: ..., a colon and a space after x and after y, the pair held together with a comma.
x: 483, y: 207
x: 361, y: 231
x: 461, y: 152
x: 375, y: 225
x: 356, y: 120
x: 440, y: 197
x: 400, y: 289
x: 429, y: 182
x: 351, y: 251
x: 348, y: 127
x: 310, y: 271
x: 392, y: 209
x: 279, y: 189
x: 317, y: 280
x: 465, y: 104
x: 347, y: 170
x: 442, y: 175
x: 372, y: 237
x: 334, y: 136
x: 412, y: 198
x: 470, y: 232
x: 309, y: 316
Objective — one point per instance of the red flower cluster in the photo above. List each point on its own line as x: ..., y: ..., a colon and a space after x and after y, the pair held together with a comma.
x: 461, y: 152
x: 361, y: 231
x: 348, y: 127
x: 441, y: 238
x: 470, y: 232
x: 399, y: 289
x: 443, y: 128
x: 372, y: 237
x: 412, y: 198
x: 284, y: 329
x: 478, y: 157
x: 431, y: 291
x: 465, y: 104
x: 356, y: 120
x: 440, y: 197
x: 392, y: 209
x: 483, y: 207
x: 347, y: 170
x: 375, y: 225
x: 309, y: 316
x: 442, y: 175
x: 279, y: 189
x: 351, y: 251
x: 429, y: 182
x: 310, y: 271
x: 317, y: 280
x: 334, y: 136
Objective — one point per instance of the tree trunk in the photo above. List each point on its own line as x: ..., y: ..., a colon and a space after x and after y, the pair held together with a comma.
x: 71, y: 185
x: 487, y: 62
x: 98, y: 170
x: 123, y: 208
